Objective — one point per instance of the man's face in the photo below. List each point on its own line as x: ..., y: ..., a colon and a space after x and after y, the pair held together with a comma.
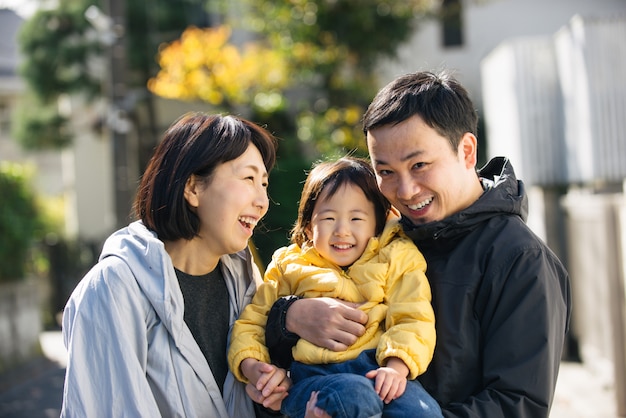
x: 420, y: 174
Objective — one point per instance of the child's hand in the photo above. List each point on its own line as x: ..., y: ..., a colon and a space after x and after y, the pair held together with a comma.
x: 390, y: 381
x: 268, y: 383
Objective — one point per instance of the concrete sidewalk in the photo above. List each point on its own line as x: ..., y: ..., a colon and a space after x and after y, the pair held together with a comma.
x: 583, y: 393
x: 580, y: 392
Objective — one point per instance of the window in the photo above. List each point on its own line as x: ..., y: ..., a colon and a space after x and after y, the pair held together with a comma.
x: 452, y: 23
x: 5, y: 119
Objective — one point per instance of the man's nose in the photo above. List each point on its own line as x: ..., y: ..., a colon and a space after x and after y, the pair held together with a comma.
x: 407, y: 188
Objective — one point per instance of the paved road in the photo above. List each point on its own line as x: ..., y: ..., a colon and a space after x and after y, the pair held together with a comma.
x: 39, y: 397
x: 35, y: 391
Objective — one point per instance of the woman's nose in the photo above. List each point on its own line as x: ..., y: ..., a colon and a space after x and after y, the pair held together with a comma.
x: 262, y: 201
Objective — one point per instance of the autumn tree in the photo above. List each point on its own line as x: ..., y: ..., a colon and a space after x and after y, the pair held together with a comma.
x: 63, y: 54
x: 310, y: 83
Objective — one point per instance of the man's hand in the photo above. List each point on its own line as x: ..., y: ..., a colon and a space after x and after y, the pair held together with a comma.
x: 268, y: 384
x: 326, y: 322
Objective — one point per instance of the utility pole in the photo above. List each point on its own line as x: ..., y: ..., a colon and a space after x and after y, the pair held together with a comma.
x: 118, y: 122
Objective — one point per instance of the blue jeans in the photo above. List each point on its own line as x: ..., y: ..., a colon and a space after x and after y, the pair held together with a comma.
x: 345, y: 392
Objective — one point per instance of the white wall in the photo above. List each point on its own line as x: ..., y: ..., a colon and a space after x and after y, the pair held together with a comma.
x: 486, y: 24
x: 88, y: 177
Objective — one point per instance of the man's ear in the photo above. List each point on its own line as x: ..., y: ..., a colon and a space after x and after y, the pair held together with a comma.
x: 191, y: 191
x: 468, y: 150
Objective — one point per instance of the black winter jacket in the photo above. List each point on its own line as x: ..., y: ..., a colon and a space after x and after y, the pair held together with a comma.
x: 502, y: 306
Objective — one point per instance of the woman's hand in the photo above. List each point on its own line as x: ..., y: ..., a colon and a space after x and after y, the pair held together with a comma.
x: 326, y: 322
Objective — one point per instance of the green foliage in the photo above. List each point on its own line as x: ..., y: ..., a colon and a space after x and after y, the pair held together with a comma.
x: 63, y: 54
x: 19, y: 221
x: 152, y: 22
x: 44, y: 128
x: 364, y: 29
x: 332, y: 48
x: 56, y: 47
x: 285, y: 184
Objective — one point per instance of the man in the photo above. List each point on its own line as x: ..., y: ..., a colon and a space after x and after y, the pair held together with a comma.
x: 501, y: 298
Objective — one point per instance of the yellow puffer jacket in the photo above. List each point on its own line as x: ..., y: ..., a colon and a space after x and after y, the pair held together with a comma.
x: 388, y: 279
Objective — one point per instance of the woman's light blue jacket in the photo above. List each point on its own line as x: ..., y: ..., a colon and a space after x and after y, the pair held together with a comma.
x: 130, y: 352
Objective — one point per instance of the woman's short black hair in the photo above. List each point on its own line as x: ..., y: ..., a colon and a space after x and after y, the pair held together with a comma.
x: 195, y: 144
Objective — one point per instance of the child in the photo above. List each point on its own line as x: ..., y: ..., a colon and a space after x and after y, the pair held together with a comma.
x: 343, y: 247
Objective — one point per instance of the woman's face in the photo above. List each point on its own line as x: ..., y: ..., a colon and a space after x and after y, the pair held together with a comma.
x: 231, y: 203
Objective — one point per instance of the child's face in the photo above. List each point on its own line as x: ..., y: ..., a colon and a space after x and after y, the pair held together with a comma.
x: 342, y: 225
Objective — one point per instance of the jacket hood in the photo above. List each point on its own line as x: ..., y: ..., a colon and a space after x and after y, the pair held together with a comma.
x: 504, y: 194
x: 153, y: 270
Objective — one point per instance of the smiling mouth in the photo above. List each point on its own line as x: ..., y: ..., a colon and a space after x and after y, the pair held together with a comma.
x: 343, y: 246
x: 422, y: 204
x: 248, y: 222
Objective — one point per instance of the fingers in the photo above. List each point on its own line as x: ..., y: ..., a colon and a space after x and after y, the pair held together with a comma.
x: 388, y: 385
x: 353, y: 314
x: 272, y: 382
x: 254, y: 393
x: 326, y: 322
x: 263, y: 380
x: 312, y: 401
x: 310, y: 406
x: 274, y: 401
x: 313, y: 411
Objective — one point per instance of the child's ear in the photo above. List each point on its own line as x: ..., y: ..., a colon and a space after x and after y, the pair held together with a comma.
x: 308, y: 232
x: 191, y: 191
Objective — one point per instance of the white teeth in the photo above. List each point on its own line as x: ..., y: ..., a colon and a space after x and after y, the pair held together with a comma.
x: 421, y: 204
x: 250, y: 222
x: 342, y: 246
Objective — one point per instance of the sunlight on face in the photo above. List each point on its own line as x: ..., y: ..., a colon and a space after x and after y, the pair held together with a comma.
x: 420, y: 174
x: 233, y: 202
x: 342, y: 224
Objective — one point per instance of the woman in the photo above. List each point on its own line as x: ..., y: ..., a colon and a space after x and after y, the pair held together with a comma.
x: 147, y: 328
